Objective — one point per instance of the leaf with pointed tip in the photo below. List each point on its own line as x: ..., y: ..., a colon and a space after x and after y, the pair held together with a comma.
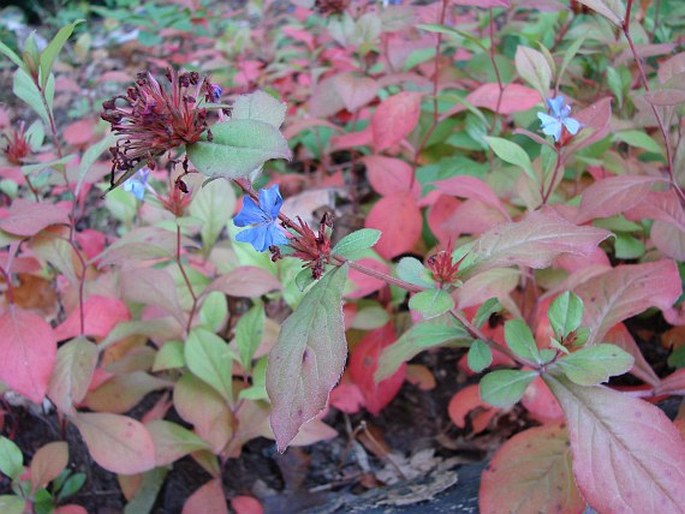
x: 625, y: 291
x: 531, y: 472
x: 479, y: 356
x: 308, y: 358
x: 595, y: 364
x: 520, y: 339
x: 118, y: 443
x: 614, y: 195
x: 354, y: 245
x: 76, y: 362
x: 565, y: 313
x: 259, y: 106
x: 532, y: 65
x: 504, y: 387
x: 47, y: 463
x: 237, y: 148
x: 172, y: 441
x: 612, y: 10
x: 11, y: 459
x: 208, y: 357
x: 209, y: 498
x: 627, y: 455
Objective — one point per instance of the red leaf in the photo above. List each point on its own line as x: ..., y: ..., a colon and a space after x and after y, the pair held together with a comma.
x: 388, y: 175
x: 394, y: 119
x: 79, y: 132
x: 399, y: 219
x: 26, y: 218
x: 627, y: 455
x: 673, y: 384
x: 245, y: 281
x: 614, y: 195
x: 620, y: 336
x: 467, y: 400
x: 364, y: 363
x: 208, y: 499
x: 246, y: 505
x: 347, y: 397
x: 118, y: 443
x: 541, y: 403
x: 351, y: 140
x: 516, y: 98
x: 355, y: 91
x: 92, y: 242
x: 100, y: 313
x: 625, y: 291
x: 465, y: 186
x: 597, y: 118
x: 530, y: 473
x: 484, y: 4
x: 668, y: 230
x: 28, y: 348
x: 439, y: 217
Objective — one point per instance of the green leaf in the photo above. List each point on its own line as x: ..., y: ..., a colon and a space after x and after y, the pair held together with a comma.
x: 238, y: 147
x: 10, y: 504
x: 565, y: 314
x: 169, y: 356
x: 257, y: 391
x: 479, y: 356
x: 259, y: 106
x: 213, y: 204
x: 411, y: 270
x: 309, y: 357
x: 418, y: 338
x: 628, y: 247
x: 24, y: 87
x: 90, y: 156
x: 11, y: 55
x: 172, y: 441
x: 487, y: 309
x: 639, y: 139
x: 595, y: 364
x: 11, y: 459
x: 248, y: 334
x: 214, y: 310
x: 503, y: 388
x: 431, y: 303
x: 72, y: 485
x: 146, y: 495
x: 569, y: 54
x: 48, y: 56
x: 209, y: 358
x: 513, y: 154
x: 353, y: 245
x: 521, y: 341
x: 534, y: 68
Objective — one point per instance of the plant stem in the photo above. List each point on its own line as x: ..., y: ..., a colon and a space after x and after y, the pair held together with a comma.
x: 660, y: 122
x: 185, y: 278
x: 555, y: 173
x: 491, y: 27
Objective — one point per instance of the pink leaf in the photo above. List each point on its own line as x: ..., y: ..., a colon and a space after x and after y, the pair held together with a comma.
x: 541, y: 403
x: 439, y: 217
x: 534, y: 241
x: 627, y: 455
x: 117, y: 443
x: 620, y: 336
x: 673, y: 384
x: 355, y: 91
x: 308, y: 358
x: 245, y: 281
x: 79, y: 132
x: 71, y: 509
x: 388, y: 175
x: 26, y: 218
x: 246, y: 505
x: 325, y: 99
x: 152, y: 286
x: 465, y: 401
x: 484, y: 4
x: 47, y: 463
x: 347, y: 397
x: 515, y: 98
x: 626, y: 291
x: 394, y: 119
x: 596, y: 120
x: 465, y: 186
x: 668, y: 230
x: 365, y: 285
x: 531, y: 473
x: 351, y: 140
x: 28, y: 348
x: 100, y: 313
x: 364, y: 363
x: 614, y: 195
x: 399, y: 219
x: 208, y: 499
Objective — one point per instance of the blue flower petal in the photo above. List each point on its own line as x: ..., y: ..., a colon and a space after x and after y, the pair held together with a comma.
x: 250, y: 214
x: 550, y: 126
x: 136, y: 183
x: 556, y: 105
x: 270, y: 200
x: 572, y: 125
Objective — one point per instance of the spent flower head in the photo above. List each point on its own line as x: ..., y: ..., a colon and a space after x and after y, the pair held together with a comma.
x: 262, y: 219
x: 445, y: 271
x: 314, y: 248
x: 558, y: 119
x: 153, y: 119
x: 18, y: 147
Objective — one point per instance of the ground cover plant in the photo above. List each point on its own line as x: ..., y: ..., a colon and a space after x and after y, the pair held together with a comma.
x: 289, y: 222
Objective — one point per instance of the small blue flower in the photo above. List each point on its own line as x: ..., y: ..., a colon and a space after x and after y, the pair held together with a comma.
x: 263, y: 231
x: 137, y: 183
x: 560, y: 111
x: 215, y: 92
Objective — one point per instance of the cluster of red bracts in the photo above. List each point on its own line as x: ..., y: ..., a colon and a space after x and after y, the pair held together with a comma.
x: 154, y: 119
x: 313, y: 248
x: 18, y: 148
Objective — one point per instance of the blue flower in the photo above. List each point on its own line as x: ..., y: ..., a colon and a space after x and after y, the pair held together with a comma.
x: 560, y: 111
x: 263, y: 231
x: 137, y: 183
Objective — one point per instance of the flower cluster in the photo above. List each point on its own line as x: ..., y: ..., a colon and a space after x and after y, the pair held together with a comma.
x: 558, y: 119
x: 154, y: 119
x: 18, y: 148
x: 445, y: 271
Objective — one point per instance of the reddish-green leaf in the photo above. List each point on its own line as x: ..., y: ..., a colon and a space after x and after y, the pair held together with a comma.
x: 172, y: 441
x: 531, y: 472
x: 625, y: 291
x: 28, y: 349
x: 47, y: 463
x: 308, y: 358
x: 627, y: 455
x: 100, y: 315
x: 117, y: 443
x: 247, y: 281
x: 26, y: 218
x: 123, y: 392
x: 515, y: 98
x: 388, y: 175
x: 76, y: 361
x: 208, y: 499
